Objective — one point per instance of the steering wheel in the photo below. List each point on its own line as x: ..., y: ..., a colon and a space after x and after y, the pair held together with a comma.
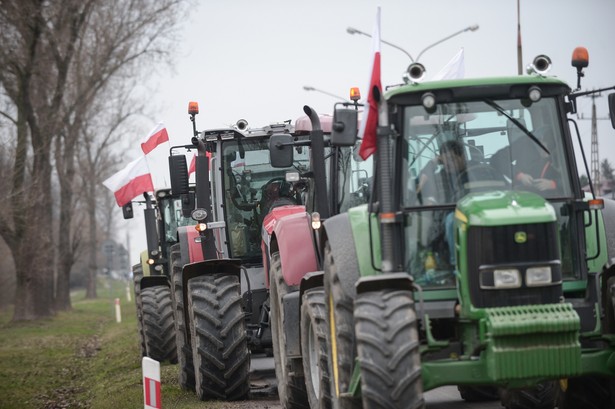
x: 481, y: 177
x: 267, y: 198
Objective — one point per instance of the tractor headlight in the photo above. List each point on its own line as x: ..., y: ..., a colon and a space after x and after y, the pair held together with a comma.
x: 508, y: 278
x: 537, y: 276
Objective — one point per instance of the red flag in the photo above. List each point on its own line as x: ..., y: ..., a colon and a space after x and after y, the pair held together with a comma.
x: 157, y: 136
x: 369, y: 124
x: 130, y: 182
x: 192, y: 166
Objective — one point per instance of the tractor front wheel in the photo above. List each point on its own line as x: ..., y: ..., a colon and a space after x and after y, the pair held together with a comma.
x: 388, y: 350
x: 158, y: 323
x: 314, y: 348
x: 137, y: 275
x: 219, y: 340
x: 340, y: 335
x: 291, y: 382
x: 184, y: 350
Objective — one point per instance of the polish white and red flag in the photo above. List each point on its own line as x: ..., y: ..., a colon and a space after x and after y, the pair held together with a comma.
x: 369, y: 123
x: 156, y: 137
x: 130, y: 182
x: 156, y: 148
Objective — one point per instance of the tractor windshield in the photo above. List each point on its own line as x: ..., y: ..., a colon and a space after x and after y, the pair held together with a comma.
x: 474, y: 147
x: 252, y: 187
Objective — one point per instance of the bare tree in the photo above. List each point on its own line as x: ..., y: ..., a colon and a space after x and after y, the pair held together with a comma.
x: 59, y: 57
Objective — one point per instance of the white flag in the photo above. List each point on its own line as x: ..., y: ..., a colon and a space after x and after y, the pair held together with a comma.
x: 453, y: 70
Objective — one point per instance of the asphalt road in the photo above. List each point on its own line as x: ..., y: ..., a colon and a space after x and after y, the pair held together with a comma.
x: 264, y: 391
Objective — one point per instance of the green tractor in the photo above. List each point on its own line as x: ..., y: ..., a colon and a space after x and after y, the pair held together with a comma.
x: 479, y: 262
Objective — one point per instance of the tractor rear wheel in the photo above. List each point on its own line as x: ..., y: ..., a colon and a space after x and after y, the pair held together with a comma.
x: 289, y: 373
x: 184, y: 350
x: 593, y: 392
x: 158, y: 323
x: 314, y: 348
x: 388, y: 350
x: 587, y: 392
x: 340, y: 335
x: 542, y: 396
x: 137, y: 274
x: 219, y: 340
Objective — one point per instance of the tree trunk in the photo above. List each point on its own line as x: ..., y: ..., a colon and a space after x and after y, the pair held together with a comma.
x: 92, y: 243
x: 33, y: 253
x: 65, y: 163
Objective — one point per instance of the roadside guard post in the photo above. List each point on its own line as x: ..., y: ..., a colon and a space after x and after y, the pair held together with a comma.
x: 151, y: 384
x: 118, y: 311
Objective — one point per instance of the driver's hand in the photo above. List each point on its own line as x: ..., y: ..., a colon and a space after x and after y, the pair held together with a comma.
x: 525, y: 179
x: 544, y: 184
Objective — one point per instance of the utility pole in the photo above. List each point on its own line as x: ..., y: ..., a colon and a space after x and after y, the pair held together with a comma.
x: 519, y: 50
x: 595, y: 155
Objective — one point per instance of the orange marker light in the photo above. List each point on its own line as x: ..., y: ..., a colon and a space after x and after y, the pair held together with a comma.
x: 580, y: 57
x: 193, y: 108
x: 596, y: 204
x: 355, y: 94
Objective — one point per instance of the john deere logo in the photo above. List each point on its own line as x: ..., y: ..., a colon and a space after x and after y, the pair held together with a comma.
x: 520, y: 237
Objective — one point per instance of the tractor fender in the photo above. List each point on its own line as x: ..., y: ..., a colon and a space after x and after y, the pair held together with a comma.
x: 294, y: 239
x: 608, y: 216
x: 190, y: 244
x: 200, y: 268
x: 144, y: 265
x: 337, y: 231
x: 311, y: 280
x: 400, y: 281
x: 269, y: 242
x: 153, y: 281
x: 291, y: 303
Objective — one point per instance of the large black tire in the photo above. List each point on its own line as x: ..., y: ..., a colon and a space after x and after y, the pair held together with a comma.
x: 478, y: 393
x: 588, y: 392
x: 388, y: 350
x: 340, y: 332
x: 137, y: 274
x: 542, y: 396
x: 184, y: 349
x: 219, y: 340
x: 158, y: 323
x: 289, y: 373
x: 314, y: 348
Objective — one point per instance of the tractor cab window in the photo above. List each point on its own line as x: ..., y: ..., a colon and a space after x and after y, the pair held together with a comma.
x: 355, y: 178
x: 473, y: 148
x: 171, y: 212
x: 252, y: 187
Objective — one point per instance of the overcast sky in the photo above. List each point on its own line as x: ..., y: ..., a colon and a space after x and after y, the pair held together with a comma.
x: 251, y: 59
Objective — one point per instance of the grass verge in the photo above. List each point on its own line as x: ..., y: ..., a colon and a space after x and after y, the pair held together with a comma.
x: 84, y: 359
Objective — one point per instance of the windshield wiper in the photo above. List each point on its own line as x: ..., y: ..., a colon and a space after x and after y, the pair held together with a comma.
x: 519, y: 125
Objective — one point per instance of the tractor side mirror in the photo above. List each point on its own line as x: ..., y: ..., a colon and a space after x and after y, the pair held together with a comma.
x: 281, y: 151
x: 127, y: 211
x: 188, y: 204
x: 344, y: 128
x: 179, y: 174
x: 612, y: 108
